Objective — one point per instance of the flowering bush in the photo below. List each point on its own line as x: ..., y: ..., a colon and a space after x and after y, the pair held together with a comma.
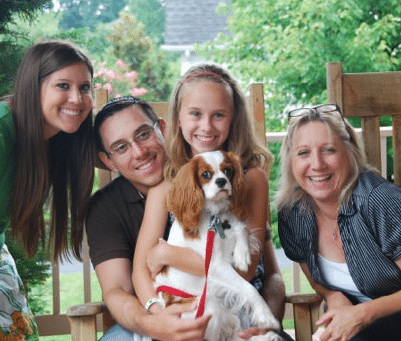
x: 117, y: 80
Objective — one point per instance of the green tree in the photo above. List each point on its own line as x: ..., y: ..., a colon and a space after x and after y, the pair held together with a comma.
x: 11, y: 51
x: 24, y: 8
x: 88, y: 13
x: 131, y: 44
x: 286, y: 44
x: 152, y: 14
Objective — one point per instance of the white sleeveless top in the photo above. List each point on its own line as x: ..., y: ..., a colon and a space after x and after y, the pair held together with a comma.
x: 338, y: 276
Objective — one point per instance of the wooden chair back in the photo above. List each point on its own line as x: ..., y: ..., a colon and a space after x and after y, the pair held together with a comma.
x: 369, y: 96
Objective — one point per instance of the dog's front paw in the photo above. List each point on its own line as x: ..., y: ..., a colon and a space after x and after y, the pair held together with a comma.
x: 241, y: 257
x: 269, y: 336
x: 263, y: 317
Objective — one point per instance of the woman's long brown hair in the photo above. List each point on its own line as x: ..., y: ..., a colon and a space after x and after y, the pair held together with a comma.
x: 57, y: 172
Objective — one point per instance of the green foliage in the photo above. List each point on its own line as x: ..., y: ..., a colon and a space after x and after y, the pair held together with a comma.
x: 152, y: 14
x: 88, y: 13
x: 33, y: 271
x: 10, y: 56
x: 286, y: 44
x: 12, y: 42
x: 23, y: 8
x: 43, y: 26
x: 131, y: 44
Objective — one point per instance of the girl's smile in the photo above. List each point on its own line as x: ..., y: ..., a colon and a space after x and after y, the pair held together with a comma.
x: 205, y: 115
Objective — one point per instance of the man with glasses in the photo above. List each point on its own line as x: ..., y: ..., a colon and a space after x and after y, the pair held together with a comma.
x: 128, y: 135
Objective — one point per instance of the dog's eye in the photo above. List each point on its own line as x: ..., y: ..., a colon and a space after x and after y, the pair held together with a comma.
x: 227, y: 172
x: 207, y: 175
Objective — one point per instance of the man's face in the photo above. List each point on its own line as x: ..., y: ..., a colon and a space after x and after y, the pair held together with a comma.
x: 136, y: 150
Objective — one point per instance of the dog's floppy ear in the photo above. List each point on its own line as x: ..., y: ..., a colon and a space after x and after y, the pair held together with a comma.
x: 185, y: 198
x: 240, y: 191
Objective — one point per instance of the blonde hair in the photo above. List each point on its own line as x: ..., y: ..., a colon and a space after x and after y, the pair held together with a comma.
x: 290, y: 192
x: 241, y: 140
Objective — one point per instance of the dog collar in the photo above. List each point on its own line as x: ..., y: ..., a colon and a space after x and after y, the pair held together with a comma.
x: 215, y: 225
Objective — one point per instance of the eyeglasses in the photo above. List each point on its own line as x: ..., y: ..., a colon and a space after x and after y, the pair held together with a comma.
x: 320, y: 109
x: 141, y: 137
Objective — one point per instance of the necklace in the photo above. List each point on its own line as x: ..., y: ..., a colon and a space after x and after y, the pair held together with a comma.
x: 328, y: 222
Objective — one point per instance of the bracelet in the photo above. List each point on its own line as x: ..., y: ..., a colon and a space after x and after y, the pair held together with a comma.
x: 152, y: 301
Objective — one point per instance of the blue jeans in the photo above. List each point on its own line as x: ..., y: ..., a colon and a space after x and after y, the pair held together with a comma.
x: 118, y: 333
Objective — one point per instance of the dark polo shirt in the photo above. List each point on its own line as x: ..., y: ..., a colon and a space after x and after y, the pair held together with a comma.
x: 113, y: 221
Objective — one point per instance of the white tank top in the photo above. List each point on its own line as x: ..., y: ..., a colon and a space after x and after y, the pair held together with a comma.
x: 338, y: 276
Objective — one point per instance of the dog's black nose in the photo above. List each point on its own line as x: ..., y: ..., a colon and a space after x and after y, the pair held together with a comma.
x: 220, y: 182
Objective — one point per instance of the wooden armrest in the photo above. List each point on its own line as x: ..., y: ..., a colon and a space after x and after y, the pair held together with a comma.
x: 297, y: 298
x: 82, y: 319
x: 86, y: 309
x: 306, y: 313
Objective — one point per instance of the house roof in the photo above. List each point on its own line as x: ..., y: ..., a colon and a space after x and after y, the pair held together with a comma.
x: 192, y: 21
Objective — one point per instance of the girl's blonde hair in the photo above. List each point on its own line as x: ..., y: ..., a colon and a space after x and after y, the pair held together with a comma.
x: 241, y: 140
x: 290, y: 192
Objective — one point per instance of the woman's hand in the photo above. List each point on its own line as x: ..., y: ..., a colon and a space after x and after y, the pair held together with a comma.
x: 342, y: 323
x: 156, y: 258
x: 253, y: 331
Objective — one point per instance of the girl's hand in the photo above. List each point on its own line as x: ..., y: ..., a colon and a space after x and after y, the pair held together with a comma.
x: 156, y: 257
x: 343, y: 323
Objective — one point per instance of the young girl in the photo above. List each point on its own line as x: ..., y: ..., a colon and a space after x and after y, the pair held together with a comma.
x: 207, y: 112
x: 45, y: 147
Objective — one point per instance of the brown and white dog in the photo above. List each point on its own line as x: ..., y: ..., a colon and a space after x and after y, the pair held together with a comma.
x: 211, y: 186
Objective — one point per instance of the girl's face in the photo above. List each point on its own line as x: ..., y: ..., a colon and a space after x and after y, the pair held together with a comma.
x: 66, y: 99
x: 205, y: 115
x: 320, y: 162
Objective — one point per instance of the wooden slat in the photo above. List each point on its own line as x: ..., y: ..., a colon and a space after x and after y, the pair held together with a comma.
x: 334, y: 84
x: 371, y: 140
x: 53, y: 324
x: 87, y: 270
x: 257, y: 109
x: 56, y: 287
x: 397, y: 149
x: 161, y: 108
x: 372, y: 94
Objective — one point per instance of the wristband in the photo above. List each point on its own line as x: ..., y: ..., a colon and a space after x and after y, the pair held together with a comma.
x: 152, y: 301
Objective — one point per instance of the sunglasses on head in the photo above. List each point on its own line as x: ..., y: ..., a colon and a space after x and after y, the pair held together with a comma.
x: 320, y: 109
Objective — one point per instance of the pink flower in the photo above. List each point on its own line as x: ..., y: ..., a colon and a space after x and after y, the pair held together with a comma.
x: 110, y: 74
x: 133, y: 75
x: 121, y: 64
x: 137, y: 92
x: 108, y: 87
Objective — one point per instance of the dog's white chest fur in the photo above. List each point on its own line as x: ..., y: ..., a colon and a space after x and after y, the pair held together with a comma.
x: 228, y: 293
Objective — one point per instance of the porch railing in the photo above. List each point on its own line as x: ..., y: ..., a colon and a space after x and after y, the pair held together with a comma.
x: 57, y: 323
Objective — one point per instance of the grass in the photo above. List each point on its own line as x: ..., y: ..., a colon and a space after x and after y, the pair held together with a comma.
x: 69, y: 295
x: 69, y: 283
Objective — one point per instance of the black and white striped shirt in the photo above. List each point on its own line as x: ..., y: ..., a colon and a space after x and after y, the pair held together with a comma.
x: 370, y: 228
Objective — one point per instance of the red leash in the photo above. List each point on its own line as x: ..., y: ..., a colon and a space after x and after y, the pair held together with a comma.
x: 215, y: 226
x: 209, y: 251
